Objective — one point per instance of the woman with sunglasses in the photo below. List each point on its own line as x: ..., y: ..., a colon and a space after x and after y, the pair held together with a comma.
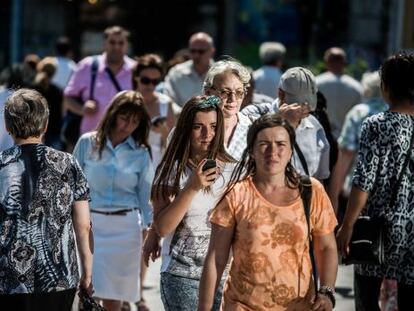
x: 147, y: 75
x: 184, y: 193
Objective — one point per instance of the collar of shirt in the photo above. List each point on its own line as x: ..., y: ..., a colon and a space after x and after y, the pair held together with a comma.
x: 189, y: 69
x: 128, y: 142
x: 126, y: 66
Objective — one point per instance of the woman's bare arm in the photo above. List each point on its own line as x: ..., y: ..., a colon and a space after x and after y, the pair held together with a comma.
x: 216, y: 260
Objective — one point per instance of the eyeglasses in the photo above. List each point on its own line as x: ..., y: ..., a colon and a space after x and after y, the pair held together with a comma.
x: 198, y: 51
x: 226, y: 94
x: 146, y: 81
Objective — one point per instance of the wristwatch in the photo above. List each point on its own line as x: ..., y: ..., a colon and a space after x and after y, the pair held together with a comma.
x: 328, y: 292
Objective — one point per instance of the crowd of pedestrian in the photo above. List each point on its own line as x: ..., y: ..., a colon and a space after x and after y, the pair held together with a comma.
x: 246, y: 184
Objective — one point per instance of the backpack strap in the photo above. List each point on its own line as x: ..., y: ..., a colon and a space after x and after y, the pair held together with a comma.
x: 113, y: 79
x: 94, y: 72
x: 306, y: 195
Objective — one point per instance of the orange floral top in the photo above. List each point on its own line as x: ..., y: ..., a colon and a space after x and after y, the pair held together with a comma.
x: 271, y: 268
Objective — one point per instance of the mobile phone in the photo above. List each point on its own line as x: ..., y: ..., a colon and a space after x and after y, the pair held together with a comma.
x: 210, y: 163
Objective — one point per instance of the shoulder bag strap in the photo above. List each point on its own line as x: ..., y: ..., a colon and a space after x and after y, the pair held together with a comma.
x: 302, y: 159
x: 94, y: 72
x: 113, y: 79
x: 306, y: 195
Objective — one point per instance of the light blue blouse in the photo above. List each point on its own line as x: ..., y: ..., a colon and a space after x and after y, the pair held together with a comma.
x: 120, y: 179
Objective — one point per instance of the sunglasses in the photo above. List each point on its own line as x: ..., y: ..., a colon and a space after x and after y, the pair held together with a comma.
x: 146, y: 80
x: 227, y: 94
x: 198, y: 51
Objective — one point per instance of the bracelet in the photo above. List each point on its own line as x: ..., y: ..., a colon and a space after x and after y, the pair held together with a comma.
x: 328, y: 292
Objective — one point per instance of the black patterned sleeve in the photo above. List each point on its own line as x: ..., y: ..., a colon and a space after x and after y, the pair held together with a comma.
x: 81, y: 187
x: 368, y: 156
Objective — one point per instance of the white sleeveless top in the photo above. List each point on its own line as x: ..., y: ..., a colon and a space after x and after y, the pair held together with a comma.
x: 154, y: 138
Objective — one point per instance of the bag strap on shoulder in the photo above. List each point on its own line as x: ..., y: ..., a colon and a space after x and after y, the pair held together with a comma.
x: 302, y: 158
x: 306, y: 195
x: 94, y: 72
x: 113, y: 79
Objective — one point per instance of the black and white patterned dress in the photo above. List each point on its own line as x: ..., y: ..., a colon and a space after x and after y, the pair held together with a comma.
x: 385, y: 140
x: 38, y: 186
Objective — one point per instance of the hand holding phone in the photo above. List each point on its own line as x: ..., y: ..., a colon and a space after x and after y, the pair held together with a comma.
x: 210, y: 163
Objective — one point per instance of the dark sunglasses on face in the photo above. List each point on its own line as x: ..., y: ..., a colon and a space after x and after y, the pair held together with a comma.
x: 146, y: 80
x: 198, y: 51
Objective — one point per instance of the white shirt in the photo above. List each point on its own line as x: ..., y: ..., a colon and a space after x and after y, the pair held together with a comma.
x: 266, y: 80
x: 342, y: 93
x: 64, y: 69
x: 184, y: 250
x: 183, y: 82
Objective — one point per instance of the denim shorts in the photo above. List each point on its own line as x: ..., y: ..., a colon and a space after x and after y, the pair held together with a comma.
x: 181, y: 294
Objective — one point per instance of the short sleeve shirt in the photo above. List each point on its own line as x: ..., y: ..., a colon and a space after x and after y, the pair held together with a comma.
x: 185, y: 249
x: 104, y: 89
x: 38, y: 188
x: 351, y: 130
x: 271, y: 267
x: 385, y: 140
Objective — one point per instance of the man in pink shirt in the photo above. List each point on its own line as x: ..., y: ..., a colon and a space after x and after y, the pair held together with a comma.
x: 113, y: 74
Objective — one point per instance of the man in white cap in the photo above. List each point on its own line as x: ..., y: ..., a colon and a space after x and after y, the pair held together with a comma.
x: 296, y: 99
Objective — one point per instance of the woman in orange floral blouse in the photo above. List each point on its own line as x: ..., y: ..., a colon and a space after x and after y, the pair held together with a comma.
x: 261, y: 217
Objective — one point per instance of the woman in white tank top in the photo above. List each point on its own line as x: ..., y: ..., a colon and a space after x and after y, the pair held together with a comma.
x: 147, y: 74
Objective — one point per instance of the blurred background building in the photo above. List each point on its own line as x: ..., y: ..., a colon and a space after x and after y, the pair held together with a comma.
x: 367, y: 29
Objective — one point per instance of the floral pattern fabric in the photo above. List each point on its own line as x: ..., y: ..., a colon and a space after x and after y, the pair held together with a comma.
x: 271, y: 268
x: 37, y: 247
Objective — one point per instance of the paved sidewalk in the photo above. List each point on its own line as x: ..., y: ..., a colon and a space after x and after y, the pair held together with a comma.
x: 344, y: 288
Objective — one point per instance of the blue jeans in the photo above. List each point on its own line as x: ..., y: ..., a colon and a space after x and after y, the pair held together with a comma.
x: 181, y: 294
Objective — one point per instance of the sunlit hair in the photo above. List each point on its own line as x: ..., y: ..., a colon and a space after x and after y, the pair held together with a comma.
x: 177, y: 155
x: 26, y: 114
x: 247, y: 165
x: 397, y: 74
x: 226, y: 66
x: 128, y: 103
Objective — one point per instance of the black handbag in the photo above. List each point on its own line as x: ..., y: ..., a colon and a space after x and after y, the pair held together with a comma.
x: 368, y: 236
x: 87, y: 303
x: 367, y: 242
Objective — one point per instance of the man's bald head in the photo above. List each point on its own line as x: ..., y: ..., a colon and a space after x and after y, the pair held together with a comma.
x: 335, y: 59
x: 202, y: 37
x: 201, y: 46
